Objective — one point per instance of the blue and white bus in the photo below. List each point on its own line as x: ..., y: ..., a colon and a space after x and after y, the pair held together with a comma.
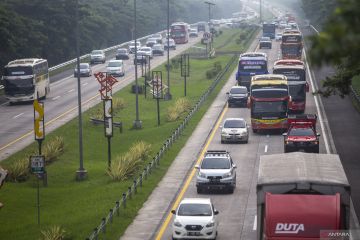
x: 251, y: 64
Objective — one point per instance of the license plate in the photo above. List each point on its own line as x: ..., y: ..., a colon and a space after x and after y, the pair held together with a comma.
x: 193, y: 233
x: 215, y: 180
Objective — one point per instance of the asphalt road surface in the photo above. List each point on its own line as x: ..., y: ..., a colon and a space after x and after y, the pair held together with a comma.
x: 16, y: 129
x: 238, y: 210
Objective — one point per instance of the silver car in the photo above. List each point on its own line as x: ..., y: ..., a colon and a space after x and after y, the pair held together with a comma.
x: 216, y: 171
x: 85, y: 70
x: 97, y: 56
x: 234, y: 130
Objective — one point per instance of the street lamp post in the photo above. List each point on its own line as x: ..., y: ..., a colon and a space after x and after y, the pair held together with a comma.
x: 209, y: 6
x: 81, y: 172
x: 168, y: 94
x: 137, y: 123
x: 260, y: 11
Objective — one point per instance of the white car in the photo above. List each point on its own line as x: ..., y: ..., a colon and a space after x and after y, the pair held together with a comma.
x: 234, y: 130
x: 115, y: 68
x: 97, y: 56
x: 132, y: 46
x: 195, y: 218
x: 278, y: 36
x: 147, y: 50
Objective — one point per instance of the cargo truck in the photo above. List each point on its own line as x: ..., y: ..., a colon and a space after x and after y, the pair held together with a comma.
x: 300, y: 194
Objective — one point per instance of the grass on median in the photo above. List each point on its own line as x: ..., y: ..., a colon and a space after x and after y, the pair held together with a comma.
x: 79, y: 207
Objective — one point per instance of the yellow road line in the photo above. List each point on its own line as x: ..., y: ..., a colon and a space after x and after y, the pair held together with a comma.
x: 188, y: 180
x: 47, y: 123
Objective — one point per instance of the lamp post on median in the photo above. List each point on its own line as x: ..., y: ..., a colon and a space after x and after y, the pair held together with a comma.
x: 209, y: 6
x: 260, y: 11
x: 168, y: 95
x: 137, y: 124
x: 81, y: 172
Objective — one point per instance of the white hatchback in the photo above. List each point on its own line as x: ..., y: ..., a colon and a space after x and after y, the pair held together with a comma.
x: 195, y: 218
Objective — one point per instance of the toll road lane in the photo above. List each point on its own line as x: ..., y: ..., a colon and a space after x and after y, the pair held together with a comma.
x: 61, y: 104
x: 238, y: 210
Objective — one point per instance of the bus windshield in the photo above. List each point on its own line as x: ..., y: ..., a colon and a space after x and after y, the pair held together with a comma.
x: 292, y: 74
x: 18, y: 71
x: 291, y: 49
x: 269, y: 109
x: 291, y: 39
x: 252, y: 65
x: 269, y: 93
x: 297, y: 92
x: 19, y: 86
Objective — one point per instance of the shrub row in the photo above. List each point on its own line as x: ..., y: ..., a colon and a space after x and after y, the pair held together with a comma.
x: 125, y: 166
x: 181, y: 106
x: 214, y: 71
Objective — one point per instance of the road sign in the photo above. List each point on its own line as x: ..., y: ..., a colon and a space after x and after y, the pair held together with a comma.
x: 37, y: 164
x: 39, y: 126
x: 106, y: 82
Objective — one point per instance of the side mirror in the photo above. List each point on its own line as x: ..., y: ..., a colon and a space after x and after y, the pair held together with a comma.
x: 197, y: 166
x: 318, y: 134
x: 173, y: 211
x: 284, y: 134
x: 307, y: 87
x: 220, y: 126
x: 216, y: 212
x: 227, y: 93
x: 234, y: 166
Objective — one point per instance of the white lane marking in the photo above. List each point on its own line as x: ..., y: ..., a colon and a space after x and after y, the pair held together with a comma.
x: 255, y: 223
x: 266, y: 148
x: 57, y: 97
x: 71, y: 90
x: 317, y: 106
x: 85, y: 83
x: 15, y: 117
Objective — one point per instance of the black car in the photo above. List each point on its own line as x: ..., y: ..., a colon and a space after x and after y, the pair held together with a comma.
x: 122, y: 54
x: 238, y: 95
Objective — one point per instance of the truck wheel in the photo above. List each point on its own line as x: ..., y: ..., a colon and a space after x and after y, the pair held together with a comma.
x: 286, y: 150
x: 254, y: 130
x: 316, y: 150
x: 199, y: 190
x: 231, y: 190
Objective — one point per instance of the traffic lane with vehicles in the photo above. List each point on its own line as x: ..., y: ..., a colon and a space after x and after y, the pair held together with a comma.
x: 61, y: 104
x: 238, y: 210
x: 344, y: 122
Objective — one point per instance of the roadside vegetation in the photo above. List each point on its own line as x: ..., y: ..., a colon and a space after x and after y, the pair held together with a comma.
x: 79, y: 206
x: 47, y: 28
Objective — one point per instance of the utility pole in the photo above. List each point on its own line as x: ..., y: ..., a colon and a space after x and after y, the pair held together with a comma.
x: 260, y: 5
x: 81, y: 172
x: 168, y: 94
x: 137, y: 123
x: 209, y: 6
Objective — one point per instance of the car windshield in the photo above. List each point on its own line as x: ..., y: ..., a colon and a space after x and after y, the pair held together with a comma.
x: 215, y: 163
x: 234, y: 124
x: 147, y: 49
x: 122, y: 51
x: 114, y: 64
x: 301, y: 132
x: 238, y: 90
x: 157, y: 47
x: 18, y: 71
x: 265, y: 39
x: 97, y: 52
x: 157, y: 36
x: 194, y: 209
x: 84, y: 66
x: 151, y: 40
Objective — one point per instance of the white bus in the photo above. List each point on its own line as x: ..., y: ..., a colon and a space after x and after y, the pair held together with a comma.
x: 26, y: 79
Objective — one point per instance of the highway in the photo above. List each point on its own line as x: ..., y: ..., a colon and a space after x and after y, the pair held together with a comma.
x: 16, y: 130
x: 237, y: 211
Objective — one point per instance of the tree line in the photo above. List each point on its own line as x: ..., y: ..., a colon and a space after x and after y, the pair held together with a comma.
x: 47, y: 29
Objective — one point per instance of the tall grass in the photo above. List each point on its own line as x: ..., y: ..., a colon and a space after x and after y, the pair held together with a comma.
x: 54, y: 233
x: 125, y: 166
x: 118, y: 104
x: 181, y: 106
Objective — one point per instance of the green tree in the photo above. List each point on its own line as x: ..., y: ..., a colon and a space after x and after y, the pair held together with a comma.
x: 338, y: 45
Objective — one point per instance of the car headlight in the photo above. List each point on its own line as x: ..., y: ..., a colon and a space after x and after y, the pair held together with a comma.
x: 177, y: 223
x: 223, y: 132
x: 226, y: 175
x: 210, y: 224
x: 202, y: 175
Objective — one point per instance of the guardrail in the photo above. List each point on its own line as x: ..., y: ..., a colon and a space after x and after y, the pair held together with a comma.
x: 105, y: 50
x: 148, y: 169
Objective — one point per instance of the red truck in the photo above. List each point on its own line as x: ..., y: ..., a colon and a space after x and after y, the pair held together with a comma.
x: 301, y: 134
x: 301, y: 194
